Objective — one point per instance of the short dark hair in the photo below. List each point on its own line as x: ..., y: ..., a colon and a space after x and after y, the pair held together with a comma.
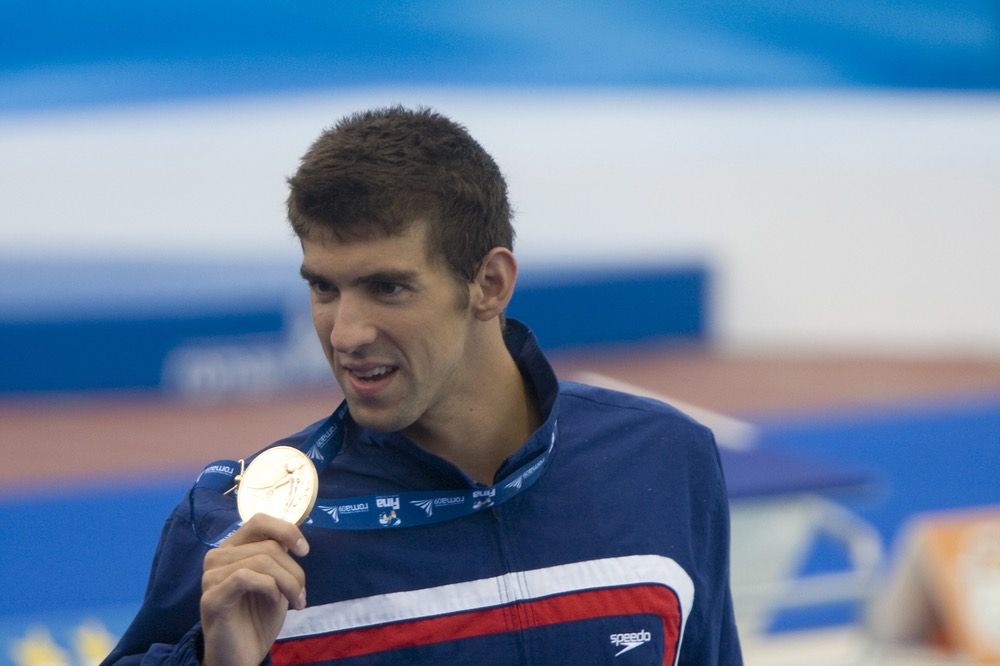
x: 378, y: 171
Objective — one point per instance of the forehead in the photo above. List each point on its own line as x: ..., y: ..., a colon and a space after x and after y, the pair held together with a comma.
x: 409, y: 249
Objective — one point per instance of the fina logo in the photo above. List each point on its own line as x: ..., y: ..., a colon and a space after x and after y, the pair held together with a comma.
x: 630, y: 641
x: 387, y: 503
x: 484, y: 498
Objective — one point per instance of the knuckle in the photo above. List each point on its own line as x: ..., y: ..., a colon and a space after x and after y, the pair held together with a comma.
x: 242, y: 577
x: 208, y: 581
x: 273, y: 548
x: 261, y: 561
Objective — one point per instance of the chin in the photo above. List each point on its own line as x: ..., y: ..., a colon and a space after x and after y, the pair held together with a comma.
x: 376, y: 419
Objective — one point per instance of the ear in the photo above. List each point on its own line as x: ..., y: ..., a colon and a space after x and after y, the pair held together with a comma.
x: 493, y: 285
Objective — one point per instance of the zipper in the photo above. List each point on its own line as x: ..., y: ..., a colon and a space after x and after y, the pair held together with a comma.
x: 512, y: 593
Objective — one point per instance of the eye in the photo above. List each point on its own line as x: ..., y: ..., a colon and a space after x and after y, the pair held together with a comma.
x: 387, y: 289
x: 321, y: 287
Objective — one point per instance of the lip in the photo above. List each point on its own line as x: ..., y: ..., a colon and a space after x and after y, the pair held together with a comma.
x: 367, y: 388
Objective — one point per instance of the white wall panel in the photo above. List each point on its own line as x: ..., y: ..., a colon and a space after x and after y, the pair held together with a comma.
x: 830, y: 220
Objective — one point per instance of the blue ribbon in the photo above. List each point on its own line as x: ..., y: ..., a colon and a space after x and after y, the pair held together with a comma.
x: 371, y: 512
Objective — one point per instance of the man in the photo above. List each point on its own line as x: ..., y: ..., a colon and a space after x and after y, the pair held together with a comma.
x: 481, y: 511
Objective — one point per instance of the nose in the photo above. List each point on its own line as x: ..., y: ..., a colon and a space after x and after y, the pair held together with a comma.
x: 353, y: 327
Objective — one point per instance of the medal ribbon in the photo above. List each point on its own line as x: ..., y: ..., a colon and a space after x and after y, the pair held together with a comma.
x: 370, y: 512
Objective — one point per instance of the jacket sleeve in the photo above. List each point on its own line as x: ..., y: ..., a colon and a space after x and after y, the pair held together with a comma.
x: 166, y: 629
x: 711, y: 636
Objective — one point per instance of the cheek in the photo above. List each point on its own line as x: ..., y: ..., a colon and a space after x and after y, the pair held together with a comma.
x: 322, y: 325
x: 448, y: 344
x: 430, y: 345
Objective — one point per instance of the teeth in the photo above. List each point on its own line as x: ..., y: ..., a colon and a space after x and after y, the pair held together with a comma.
x: 375, y: 372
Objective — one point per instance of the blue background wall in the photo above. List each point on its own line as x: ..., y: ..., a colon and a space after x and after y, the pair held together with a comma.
x: 55, y: 53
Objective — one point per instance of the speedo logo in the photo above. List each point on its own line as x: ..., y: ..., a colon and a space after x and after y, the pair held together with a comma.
x: 630, y: 641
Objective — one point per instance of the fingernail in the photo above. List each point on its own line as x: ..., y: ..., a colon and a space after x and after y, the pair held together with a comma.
x: 300, y: 603
x: 301, y: 547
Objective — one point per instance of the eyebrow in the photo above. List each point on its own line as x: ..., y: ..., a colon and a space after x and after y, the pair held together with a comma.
x: 309, y: 275
x: 401, y: 276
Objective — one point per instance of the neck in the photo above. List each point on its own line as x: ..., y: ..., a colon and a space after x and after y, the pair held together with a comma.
x: 496, y: 417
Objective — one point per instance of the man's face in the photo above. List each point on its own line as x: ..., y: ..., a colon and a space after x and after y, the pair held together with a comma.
x: 392, y: 327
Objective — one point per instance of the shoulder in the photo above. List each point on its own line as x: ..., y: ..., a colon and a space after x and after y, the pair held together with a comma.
x: 623, y: 409
x: 605, y: 422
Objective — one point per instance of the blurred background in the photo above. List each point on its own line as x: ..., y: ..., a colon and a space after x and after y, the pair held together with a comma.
x: 782, y: 216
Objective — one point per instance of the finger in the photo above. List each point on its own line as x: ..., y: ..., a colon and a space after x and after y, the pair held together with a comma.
x: 262, y: 526
x: 266, y: 559
x: 234, y: 588
x: 223, y: 558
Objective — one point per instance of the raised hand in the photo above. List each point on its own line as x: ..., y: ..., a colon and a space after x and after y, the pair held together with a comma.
x: 248, y: 585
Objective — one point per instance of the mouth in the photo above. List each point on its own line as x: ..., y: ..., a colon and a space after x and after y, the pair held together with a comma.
x: 371, y: 375
x: 368, y: 380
